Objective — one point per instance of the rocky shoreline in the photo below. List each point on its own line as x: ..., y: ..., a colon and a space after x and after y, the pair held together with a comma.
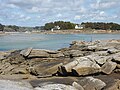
x: 82, y: 66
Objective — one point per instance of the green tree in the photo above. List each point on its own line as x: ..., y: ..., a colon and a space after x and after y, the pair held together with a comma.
x: 1, y: 27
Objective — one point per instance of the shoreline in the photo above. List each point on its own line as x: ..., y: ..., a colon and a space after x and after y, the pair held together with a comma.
x: 67, y: 32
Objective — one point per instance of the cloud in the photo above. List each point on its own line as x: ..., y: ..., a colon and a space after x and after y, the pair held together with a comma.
x: 32, y: 12
x: 59, y: 15
x: 105, y: 4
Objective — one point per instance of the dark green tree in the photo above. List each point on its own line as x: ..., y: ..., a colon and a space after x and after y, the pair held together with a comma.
x: 1, y: 27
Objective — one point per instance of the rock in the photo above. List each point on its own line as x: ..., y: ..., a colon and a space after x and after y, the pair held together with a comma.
x: 90, y: 83
x: 113, y: 51
x: 77, y: 86
x: 108, y: 67
x: 2, y: 57
x: 51, y: 51
x: 102, y: 53
x: 117, y: 70
x: 26, y: 52
x: 20, y: 70
x: 76, y: 53
x: 55, y: 87
x: 103, y: 59
x: 85, y: 67
x: 53, y: 70
x: 58, y: 55
x: 118, y: 66
x: 32, y: 71
x: 116, y: 57
x: 92, y: 48
x: 64, y: 69
x: 12, y: 85
x: 37, y: 53
x: 114, y: 86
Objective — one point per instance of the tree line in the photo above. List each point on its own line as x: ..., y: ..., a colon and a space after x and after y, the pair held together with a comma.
x: 63, y: 25
x: 101, y: 25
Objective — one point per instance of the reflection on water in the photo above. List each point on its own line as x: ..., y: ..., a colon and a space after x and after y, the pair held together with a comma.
x: 48, y: 41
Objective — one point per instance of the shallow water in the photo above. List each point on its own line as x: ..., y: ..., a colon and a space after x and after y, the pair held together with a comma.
x: 47, y: 41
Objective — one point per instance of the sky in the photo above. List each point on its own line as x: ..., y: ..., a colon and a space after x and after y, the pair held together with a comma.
x: 38, y: 12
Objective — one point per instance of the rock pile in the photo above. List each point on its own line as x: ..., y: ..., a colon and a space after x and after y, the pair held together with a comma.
x: 80, y: 59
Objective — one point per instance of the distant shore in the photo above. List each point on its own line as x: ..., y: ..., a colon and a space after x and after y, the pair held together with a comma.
x: 68, y: 32
x: 79, y: 32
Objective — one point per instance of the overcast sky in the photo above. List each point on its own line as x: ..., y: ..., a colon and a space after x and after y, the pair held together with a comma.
x: 39, y: 12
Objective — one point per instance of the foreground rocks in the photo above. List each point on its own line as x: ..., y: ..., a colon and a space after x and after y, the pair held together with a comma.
x: 80, y: 59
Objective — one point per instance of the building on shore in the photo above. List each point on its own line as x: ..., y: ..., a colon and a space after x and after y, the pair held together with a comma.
x: 79, y: 26
x: 55, y: 28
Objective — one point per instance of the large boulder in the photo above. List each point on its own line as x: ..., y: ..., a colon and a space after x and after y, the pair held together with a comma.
x: 80, y: 66
x: 85, y: 67
x: 108, y: 67
x: 90, y: 83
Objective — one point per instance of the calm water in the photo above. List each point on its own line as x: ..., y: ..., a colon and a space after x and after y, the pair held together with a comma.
x: 52, y: 42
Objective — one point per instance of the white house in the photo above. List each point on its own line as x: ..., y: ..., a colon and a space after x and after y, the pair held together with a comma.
x: 79, y: 26
x: 55, y: 28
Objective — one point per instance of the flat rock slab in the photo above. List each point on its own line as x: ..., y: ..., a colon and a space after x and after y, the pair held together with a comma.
x: 38, y: 54
x: 90, y: 83
x: 108, y: 67
x: 11, y: 85
x: 26, y: 52
x: 85, y: 67
x: 55, y: 87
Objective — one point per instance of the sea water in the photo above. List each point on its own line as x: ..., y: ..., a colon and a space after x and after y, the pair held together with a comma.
x: 47, y: 41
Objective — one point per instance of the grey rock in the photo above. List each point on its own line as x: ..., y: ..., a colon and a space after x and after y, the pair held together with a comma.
x: 90, y: 83
x: 2, y: 57
x: 114, y: 86
x: 113, y: 51
x: 55, y: 87
x: 57, y: 55
x: 103, y: 59
x: 108, y: 67
x: 77, y: 86
x: 37, y: 53
x: 26, y: 52
x: 12, y: 85
x: 102, y: 53
x: 85, y: 67
x: 64, y: 69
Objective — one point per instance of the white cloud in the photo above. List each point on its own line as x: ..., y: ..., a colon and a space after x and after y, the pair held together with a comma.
x: 104, y: 4
x: 59, y: 15
x: 77, y: 17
